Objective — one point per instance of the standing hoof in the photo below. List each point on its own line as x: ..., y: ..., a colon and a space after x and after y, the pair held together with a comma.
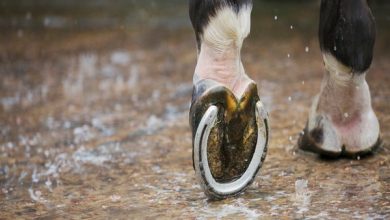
x: 230, y: 138
x: 335, y: 136
x: 313, y: 142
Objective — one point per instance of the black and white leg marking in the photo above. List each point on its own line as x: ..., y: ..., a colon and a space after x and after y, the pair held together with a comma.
x: 202, y: 11
x: 221, y: 27
x: 341, y: 120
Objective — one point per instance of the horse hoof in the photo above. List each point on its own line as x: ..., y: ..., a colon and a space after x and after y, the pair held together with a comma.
x: 230, y: 138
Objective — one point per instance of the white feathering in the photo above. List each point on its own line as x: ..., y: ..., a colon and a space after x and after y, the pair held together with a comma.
x: 227, y: 28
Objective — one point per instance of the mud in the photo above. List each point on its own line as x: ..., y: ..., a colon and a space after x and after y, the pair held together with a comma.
x: 94, y: 117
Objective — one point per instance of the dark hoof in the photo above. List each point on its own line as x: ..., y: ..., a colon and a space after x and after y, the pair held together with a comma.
x: 230, y: 138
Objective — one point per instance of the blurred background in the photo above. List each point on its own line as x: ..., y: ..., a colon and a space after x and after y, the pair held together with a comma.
x: 94, y: 99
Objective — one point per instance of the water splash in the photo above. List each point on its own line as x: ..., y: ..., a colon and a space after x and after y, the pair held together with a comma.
x: 302, y: 195
x: 238, y: 209
x: 120, y: 57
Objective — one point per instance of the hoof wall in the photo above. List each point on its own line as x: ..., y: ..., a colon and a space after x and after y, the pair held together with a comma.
x: 312, y: 141
x: 230, y: 138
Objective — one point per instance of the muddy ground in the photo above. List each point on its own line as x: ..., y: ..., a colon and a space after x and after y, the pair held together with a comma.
x: 94, y: 116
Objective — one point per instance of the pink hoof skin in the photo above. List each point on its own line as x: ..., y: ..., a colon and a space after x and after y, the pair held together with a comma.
x: 341, y: 119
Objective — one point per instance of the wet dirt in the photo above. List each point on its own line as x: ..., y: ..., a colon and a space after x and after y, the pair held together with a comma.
x: 94, y: 117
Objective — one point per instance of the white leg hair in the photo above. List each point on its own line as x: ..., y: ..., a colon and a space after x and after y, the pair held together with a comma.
x: 219, y: 58
x: 227, y: 28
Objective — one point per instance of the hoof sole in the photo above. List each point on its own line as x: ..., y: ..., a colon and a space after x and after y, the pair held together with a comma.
x: 230, y: 140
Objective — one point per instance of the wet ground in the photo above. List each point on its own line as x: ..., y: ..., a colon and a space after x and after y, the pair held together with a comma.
x: 94, y: 104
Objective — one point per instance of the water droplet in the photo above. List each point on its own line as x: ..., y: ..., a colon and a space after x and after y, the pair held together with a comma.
x: 20, y: 33
x: 38, y: 193
x: 276, y: 17
x: 306, y: 49
x: 28, y: 16
x: 291, y: 27
x: 10, y: 145
x: 48, y: 182
x: 288, y: 55
x: 115, y: 198
x: 47, y: 153
x: 346, y: 115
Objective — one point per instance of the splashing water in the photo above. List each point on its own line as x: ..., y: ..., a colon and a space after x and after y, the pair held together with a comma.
x: 302, y: 195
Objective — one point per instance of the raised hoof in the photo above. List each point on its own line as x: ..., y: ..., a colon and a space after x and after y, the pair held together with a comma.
x: 230, y: 138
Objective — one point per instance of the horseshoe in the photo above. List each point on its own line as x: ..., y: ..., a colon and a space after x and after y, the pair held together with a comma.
x: 212, y: 187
